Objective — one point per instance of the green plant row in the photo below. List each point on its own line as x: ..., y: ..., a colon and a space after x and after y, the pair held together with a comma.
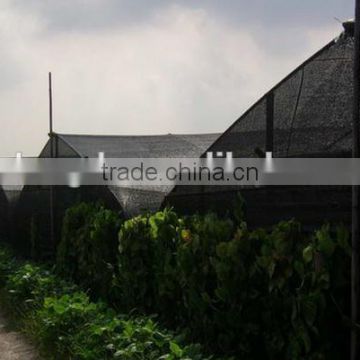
x: 87, y: 252
x: 65, y: 324
x: 252, y: 294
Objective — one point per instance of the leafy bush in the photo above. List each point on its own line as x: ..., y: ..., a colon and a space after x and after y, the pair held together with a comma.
x: 134, y: 338
x: 196, y: 275
x: 67, y: 325
x: 165, y: 229
x: 86, y: 252
x: 83, y: 330
x: 168, y: 255
x: 261, y: 280
x: 133, y: 285
x: 28, y: 285
x: 253, y: 294
x: 153, y: 264
x: 58, y: 320
x: 7, y: 264
x: 147, y: 278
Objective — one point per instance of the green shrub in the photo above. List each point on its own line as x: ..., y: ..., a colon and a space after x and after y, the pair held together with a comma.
x: 59, y: 319
x: 73, y: 327
x: 134, y: 284
x: 134, y: 338
x: 256, y: 287
x: 165, y: 230
x: 7, y: 264
x: 253, y: 294
x: 161, y: 253
x: 86, y: 252
x: 196, y: 275
x: 67, y: 325
x: 147, y: 277
x: 272, y: 300
x: 28, y: 285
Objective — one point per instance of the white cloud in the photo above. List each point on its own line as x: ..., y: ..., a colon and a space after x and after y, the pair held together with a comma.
x: 183, y: 71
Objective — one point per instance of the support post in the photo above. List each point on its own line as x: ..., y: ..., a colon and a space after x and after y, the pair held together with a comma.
x: 269, y: 147
x: 51, y: 118
x: 355, y: 266
x: 51, y: 135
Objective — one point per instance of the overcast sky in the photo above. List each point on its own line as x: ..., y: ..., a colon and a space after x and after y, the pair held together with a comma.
x: 148, y: 66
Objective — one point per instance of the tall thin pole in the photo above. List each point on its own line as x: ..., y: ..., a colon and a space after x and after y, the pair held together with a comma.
x: 51, y: 135
x: 355, y: 266
x: 269, y: 146
x: 51, y: 117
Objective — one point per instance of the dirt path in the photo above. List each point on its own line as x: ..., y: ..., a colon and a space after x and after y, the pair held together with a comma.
x: 13, y: 345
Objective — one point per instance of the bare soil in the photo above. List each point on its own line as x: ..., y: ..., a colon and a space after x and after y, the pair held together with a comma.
x: 13, y: 345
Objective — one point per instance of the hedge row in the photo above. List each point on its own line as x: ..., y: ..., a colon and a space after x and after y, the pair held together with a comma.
x: 65, y: 324
x: 260, y: 294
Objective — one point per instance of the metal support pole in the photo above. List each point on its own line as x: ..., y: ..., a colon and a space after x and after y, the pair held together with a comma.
x: 355, y: 266
x: 51, y: 118
x: 51, y: 135
x: 269, y: 147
